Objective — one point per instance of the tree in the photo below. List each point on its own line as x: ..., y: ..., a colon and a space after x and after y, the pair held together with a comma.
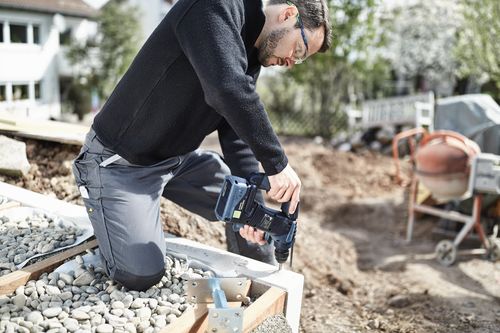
x: 101, y: 61
x: 421, y: 44
x: 346, y: 72
x: 478, y: 46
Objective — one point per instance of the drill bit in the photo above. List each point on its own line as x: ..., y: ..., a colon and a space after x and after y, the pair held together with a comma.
x: 280, y: 267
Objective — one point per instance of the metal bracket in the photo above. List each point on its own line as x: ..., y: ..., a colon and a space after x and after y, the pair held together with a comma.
x: 222, y: 318
x: 226, y: 320
x: 200, y: 290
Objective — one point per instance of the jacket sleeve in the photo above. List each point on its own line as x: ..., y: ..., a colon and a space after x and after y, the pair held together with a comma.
x: 237, y: 155
x: 209, y: 35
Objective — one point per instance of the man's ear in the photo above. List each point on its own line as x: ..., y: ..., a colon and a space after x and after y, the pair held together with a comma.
x: 287, y: 12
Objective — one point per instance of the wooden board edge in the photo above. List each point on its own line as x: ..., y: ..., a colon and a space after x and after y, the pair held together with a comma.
x: 11, y: 281
x: 271, y: 303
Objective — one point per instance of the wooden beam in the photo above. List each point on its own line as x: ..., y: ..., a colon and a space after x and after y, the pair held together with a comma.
x: 271, y: 303
x: 11, y: 281
x: 44, y: 130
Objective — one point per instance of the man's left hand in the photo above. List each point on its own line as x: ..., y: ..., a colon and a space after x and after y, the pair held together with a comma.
x: 252, y: 235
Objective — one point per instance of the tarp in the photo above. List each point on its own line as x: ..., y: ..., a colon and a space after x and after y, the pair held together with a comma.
x: 476, y: 116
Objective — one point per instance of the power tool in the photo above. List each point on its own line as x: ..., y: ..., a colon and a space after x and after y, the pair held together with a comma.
x: 237, y: 204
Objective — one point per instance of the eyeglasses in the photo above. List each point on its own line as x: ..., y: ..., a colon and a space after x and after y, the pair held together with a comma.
x: 299, y: 58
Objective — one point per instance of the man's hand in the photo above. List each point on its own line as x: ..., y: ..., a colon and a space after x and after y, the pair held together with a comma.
x: 252, y: 235
x: 285, y: 186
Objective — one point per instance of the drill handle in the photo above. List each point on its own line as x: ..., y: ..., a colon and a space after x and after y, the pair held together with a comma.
x: 285, y: 207
x: 260, y: 180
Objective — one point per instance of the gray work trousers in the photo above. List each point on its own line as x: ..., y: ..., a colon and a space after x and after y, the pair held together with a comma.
x: 123, y: 204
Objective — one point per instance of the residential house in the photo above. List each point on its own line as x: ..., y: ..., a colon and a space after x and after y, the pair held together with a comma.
x: 33, y: 35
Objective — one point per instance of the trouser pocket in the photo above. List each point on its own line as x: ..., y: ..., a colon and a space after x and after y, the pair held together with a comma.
x: 96, y: 216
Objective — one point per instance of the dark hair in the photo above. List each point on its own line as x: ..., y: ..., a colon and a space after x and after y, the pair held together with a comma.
x: 314, y: 14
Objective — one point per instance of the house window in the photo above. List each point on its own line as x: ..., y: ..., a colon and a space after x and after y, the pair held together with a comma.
x: 38, y: 93
x: 65, y: 37
x: 36, y: 34
x: 20, y: 92
x: 18, y: 33
x: 1, y: 32
x: 3, y: 92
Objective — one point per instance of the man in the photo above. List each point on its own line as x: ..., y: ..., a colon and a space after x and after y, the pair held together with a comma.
x: 195, y: 74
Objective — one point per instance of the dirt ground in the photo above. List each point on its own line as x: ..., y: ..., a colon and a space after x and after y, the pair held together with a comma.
x: 360, y: 276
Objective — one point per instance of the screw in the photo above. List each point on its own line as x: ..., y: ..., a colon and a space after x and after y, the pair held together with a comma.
x: 215, y: 315
x: 214, y: 330
x: 238, y: 296
x: 194, y: 284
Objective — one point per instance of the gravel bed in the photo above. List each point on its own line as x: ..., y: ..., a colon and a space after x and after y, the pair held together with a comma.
x: 274, y: 324
x: 86, y: 300
x: 33, y: 234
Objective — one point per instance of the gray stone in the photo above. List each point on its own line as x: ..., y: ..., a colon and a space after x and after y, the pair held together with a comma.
x: 66, y: 278
x: 117, y: 305
x: 143, y: 313
x: 84, y: 279
x: 79, y: 315
x: 52, y: 312
x: 19, y: 300
x: 71, y: 324
x: 399, y: 301
x: 35, y: 317
x: 104, y: 328
x: 173, y: 298
x: 13, y: 159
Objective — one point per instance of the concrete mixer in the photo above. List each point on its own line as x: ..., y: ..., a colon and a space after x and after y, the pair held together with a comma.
x: 451, y: 167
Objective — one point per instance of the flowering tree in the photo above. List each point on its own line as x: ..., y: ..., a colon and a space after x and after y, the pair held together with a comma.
x: 478, y: 47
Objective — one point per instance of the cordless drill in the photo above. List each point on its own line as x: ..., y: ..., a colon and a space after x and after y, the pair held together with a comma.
x: 237, y: 204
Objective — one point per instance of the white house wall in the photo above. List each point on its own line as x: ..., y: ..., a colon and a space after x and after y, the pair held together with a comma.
x: 40, y: 63
x: 30, y: 63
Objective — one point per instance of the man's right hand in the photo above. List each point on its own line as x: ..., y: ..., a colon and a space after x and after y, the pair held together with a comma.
x: 285, y: 186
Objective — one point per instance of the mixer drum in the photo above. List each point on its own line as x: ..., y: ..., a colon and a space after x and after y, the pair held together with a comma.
x: 443, y: 169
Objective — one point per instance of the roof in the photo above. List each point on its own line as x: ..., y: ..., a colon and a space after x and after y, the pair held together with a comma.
x: 66, y: 7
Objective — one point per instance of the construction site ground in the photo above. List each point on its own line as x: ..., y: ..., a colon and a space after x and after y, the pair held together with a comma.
x: 360, y: 275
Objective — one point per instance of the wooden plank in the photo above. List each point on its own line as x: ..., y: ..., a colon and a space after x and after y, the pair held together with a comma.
x: 44, y: 130
x: 10, y: 282
x: 271, y: 303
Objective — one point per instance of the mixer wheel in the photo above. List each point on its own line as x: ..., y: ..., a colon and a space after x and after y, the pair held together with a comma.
x: 493, y: 252
x: 446, y: 252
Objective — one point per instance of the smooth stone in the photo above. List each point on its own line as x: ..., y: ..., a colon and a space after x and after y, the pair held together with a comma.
x: 117, y: 312
x: 52, y: 312
x: 66, y: 278
x: 35, y: 317
x: 173, y: 298
x: 84, y: 279
x: 67, y: 295
x: 19, y: 300
x: 127, y: 301
x: 143, y: 313
x: 71, y: 324
x: 130, y: 328
x: 52, y: 290
x: 137, y: 303
x: 79, y: 315
x: 117, y: 305
x: 104, y: 328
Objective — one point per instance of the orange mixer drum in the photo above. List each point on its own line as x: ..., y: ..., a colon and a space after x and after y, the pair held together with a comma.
x: 442, y: 163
